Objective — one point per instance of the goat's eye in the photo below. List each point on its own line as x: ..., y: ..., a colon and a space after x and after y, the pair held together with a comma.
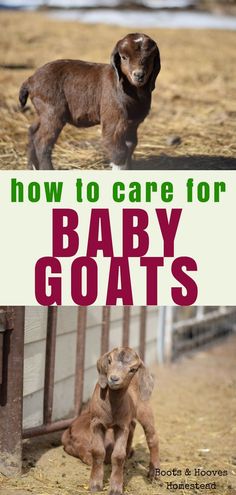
x: 123, y: 57
x: 132, y: 370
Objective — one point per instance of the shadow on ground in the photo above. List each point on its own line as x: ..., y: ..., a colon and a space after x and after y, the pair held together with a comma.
x: 195, y: 162
x: 35, y: 448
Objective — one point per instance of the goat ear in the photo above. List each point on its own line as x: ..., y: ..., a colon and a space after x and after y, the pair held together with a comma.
x: 156, y: 69
x: 146, y: 382
x: 102, y: 370
x: 115, y: 61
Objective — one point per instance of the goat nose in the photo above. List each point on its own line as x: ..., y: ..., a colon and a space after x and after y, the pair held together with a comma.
x: 114, y: 378
x: 138, y: 74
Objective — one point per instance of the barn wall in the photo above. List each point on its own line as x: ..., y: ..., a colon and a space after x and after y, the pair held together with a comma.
x: 35, y: 343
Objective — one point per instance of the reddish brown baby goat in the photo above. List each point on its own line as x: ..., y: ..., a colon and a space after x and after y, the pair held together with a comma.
x: 104, y: 431
x: 115, y: 95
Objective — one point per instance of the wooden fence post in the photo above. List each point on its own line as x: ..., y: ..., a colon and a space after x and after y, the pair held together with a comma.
x: 11, y: 395
x: 161, y: 334
x: 168, y: 337
x: 200, y: 313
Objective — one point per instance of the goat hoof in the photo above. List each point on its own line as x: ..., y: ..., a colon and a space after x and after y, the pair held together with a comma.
x: 115, y: 489
x: 152, y: 474
x: 95, y: 487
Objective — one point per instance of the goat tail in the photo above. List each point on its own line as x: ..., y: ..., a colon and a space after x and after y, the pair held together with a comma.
x: 24, y: 93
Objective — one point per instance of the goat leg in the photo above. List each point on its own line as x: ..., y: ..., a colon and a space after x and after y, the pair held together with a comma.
x: 98, y: 455
x: 129, y: 450
x: 118, y: 459
x: 114, y: 140
x: 146, y: 418
x: 131, y: 142
x: 33, y: 163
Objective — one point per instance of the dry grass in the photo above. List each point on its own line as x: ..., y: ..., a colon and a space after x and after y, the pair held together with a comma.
x: 194, y: 405
x: 195, y: 97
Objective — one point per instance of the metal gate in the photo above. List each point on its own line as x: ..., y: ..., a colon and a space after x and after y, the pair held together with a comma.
x: 178, y: 334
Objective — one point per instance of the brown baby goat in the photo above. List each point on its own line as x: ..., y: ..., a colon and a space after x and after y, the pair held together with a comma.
x: 115, y: 95
x: 104, y: 431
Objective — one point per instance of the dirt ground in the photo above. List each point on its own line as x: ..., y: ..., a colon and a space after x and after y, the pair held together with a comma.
x: 195, y: 408
x: 194, y: 99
